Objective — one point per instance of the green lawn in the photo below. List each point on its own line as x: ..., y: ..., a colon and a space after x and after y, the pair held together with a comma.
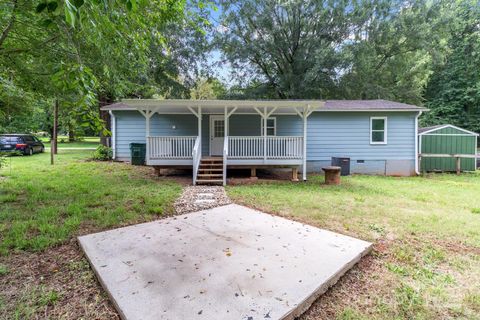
x: 43, y: 205
x: 87, y: 142
x: 426, y: 230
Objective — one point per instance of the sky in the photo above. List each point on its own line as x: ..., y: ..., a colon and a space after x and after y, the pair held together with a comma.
x: 221, y: 70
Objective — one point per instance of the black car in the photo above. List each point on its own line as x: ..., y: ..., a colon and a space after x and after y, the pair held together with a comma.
x: 24, y: 143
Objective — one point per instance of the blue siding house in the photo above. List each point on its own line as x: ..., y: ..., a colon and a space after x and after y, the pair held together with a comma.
x: 210, y: 136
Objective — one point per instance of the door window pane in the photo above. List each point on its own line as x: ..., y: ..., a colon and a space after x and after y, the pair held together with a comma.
x: 218, y: 128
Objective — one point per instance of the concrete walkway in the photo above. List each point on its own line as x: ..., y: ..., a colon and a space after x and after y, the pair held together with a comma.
x: 229, y: 262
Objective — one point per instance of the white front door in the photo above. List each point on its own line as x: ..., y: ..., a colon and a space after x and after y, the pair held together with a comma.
x: 217, y: 134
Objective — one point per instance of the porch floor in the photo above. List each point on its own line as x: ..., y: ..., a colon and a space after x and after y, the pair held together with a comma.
x: 228, y: 262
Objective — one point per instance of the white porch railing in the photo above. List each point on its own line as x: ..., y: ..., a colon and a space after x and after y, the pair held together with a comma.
x: 197, y: 156
x: 171, y: 147
x: 277, y: 147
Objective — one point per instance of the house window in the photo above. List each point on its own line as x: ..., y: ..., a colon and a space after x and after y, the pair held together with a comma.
x: 378, y: 130
x: 271, y: 126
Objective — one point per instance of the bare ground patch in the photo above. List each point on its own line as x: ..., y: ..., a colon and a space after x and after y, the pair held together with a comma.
x: 53, y: 284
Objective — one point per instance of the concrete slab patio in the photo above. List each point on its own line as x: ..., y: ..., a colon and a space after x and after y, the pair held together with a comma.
x: 228, y: 262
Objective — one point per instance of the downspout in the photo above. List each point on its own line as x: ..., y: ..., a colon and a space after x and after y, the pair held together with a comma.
x: 264, y: 118
x: 417, y: 169
x: 113, y: 127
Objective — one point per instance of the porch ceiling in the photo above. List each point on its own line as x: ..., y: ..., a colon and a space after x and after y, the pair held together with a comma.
x: 218, y: 106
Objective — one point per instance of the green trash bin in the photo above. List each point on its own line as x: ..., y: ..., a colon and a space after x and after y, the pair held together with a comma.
x: 137, y: 153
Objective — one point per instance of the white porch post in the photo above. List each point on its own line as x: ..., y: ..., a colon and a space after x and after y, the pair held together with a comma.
x: 199, y: 118
x: 307, y: 111
x: 304, y: 166
x: 264, y: 118
x: 225, y: 121
x: 265, y: 114
x: 197, y: 114
x: 147, y: 135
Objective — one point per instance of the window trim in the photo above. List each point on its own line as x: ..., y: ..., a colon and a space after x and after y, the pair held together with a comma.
x: 385, y: 135
x: 274, y: 126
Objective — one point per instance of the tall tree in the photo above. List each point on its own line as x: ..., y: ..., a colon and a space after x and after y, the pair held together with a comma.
x: 453, y: 92
x: 290, y: 46
x: 208, y: 89
x: 331, y: 49
x: 389, y: 56
x: 79, y: 51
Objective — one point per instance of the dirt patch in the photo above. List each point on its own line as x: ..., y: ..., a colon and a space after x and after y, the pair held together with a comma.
x: 181, y: 176
x: 52, y: 284
x: 357, y: 288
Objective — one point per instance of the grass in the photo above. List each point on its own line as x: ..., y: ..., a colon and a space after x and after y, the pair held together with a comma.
x: 43, y: 205
x: 43, y: 273
x: 87, y: 142
x: 426, y: 231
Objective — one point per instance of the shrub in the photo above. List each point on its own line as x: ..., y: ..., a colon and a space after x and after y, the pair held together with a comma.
x: 103, y: 153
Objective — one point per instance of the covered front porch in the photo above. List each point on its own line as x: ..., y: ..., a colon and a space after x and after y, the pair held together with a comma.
x: 212, y: 136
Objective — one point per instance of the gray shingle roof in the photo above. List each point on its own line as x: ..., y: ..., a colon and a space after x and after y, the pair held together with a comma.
x: 352, y: 105
x: 330, y: 105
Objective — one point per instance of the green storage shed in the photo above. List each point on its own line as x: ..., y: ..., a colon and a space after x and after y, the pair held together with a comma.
x: 447, y: 148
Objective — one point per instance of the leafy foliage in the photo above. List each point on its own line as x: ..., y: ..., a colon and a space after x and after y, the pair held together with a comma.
x: 208, y: 89
x: 289, y: 47
x: 88, y: 53
x: 453, y: 92
x: 103, y: 153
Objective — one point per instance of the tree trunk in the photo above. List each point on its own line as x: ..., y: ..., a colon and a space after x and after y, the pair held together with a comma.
x: 71, y: 133
x: 105, y: 116
x: 53, y: 139
x: 55, y: 128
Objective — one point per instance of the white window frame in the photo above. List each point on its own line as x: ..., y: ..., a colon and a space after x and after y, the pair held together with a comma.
x: 385, y: 121
x: 274, y: 126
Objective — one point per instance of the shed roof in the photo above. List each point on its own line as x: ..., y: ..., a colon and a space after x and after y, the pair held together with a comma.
x: 321, y: 105
x: 426, y: 130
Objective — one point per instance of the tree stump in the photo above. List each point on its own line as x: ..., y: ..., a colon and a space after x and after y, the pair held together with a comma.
x: 332, y: 175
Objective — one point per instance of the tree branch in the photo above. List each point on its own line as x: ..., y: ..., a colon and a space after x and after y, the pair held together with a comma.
x: 10, y: 23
